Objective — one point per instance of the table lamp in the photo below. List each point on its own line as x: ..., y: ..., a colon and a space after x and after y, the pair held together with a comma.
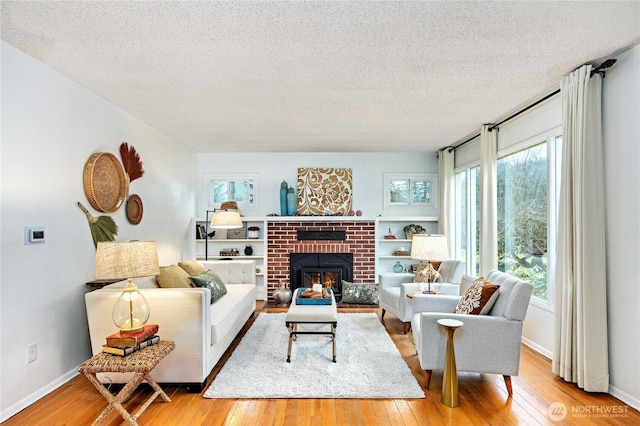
x: 120, y: 260
x: 427, y: 247
x: 226, y: 217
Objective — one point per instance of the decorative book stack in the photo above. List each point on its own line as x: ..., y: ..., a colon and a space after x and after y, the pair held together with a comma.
x: 122, y: 344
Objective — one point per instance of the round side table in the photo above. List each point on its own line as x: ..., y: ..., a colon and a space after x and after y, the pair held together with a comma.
x: 450, y: 396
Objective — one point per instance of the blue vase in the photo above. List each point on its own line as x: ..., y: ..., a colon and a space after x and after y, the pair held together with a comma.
x: 398, y: 267
x: 283, y: 198
x: 291, y: 202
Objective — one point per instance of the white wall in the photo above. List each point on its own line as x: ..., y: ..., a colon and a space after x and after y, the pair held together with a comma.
x: 50, y: 126
x: 621, y: 138
x: 272, y: 168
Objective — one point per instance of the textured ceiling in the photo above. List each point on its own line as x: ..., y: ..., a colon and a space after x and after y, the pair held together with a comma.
x: 319, y: 76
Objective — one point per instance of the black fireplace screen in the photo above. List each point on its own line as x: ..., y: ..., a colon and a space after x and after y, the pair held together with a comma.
x: 328, y: 269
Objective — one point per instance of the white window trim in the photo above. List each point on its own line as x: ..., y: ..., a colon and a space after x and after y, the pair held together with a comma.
x: 433, y: 185
x: 231, y: 176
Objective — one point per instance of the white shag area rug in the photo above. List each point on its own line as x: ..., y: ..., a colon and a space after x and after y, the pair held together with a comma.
x: 368, y: 364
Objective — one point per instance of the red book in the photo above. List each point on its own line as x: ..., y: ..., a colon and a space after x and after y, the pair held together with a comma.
x: 126, y: 340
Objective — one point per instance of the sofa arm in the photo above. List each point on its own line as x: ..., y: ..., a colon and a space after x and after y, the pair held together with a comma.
x: 484, y: 344
x: 434, y: 303
x: 394, y: 280
x: 183, y: 316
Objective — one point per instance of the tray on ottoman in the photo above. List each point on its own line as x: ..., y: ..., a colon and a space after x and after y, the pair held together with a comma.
x: 310, y: 301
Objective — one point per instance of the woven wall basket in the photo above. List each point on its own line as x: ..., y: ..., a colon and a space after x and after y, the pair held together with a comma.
x: 105, y: 183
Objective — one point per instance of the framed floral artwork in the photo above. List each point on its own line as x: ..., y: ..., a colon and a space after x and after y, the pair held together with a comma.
x: 324, y: 191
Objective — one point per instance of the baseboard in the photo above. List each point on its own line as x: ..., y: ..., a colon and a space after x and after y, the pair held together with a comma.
x: 630, y: 400
x: 542, y: 351
x: 35, y: 396
x: 624, y: 397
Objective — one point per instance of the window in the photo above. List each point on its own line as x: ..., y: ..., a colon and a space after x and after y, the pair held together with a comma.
x: 231, y: 188
x: 410, y: 190
x: 528, y: 183
x: 467, y: 225
x: 528, y: 191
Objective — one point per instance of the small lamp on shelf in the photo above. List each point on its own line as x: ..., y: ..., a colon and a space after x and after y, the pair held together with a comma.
x: 120, y: 260
x: 428, y: 248
x: 226, y: 217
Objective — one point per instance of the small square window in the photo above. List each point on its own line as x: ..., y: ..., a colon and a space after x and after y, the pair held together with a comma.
x: 410, y: 189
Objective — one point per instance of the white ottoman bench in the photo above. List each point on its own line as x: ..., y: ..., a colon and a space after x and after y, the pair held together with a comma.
x: 311, y: 314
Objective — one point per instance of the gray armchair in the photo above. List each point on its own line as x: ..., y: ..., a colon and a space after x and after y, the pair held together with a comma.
x: 393, y: 289
x: 485, y: 343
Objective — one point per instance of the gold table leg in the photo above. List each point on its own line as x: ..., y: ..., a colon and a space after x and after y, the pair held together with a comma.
x: 450, y: 396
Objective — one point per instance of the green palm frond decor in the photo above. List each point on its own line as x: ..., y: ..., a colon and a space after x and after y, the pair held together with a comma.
x: 103, y: 228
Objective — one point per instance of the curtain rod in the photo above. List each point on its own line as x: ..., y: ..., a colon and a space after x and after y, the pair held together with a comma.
x: 600, y: 69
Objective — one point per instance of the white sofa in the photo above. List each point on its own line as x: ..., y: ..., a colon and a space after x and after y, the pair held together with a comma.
x: 202, y: 331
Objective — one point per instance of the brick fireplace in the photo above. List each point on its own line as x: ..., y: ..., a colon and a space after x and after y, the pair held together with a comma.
x: 282, y: 240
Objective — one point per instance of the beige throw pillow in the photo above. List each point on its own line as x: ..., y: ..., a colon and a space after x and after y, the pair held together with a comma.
x: 173, y: 277
x: 192, y: 267
x: 478, y: 299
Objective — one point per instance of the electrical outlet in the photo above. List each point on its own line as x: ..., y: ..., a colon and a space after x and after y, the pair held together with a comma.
x: 32, y: 352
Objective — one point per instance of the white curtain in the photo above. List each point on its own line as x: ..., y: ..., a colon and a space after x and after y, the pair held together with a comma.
x: 488, y: 200
x: 446, y: 179
x: 580, y: 353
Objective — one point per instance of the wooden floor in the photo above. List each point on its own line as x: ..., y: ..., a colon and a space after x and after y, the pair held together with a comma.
x: 483, y: 399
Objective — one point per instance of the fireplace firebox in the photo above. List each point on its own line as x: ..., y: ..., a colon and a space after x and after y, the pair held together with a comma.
x: 328, y: 269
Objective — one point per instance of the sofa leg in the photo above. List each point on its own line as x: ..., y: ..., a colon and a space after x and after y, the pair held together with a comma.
x: 507, y: 381
x: 427, y: 378
x: 405, y: 328
x: 383, y: 312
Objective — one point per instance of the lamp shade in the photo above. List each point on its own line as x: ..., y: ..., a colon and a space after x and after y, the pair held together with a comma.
x: 429, y: 247
x: 116, y: 260
x: 121, y: 260
x: 227, y: 217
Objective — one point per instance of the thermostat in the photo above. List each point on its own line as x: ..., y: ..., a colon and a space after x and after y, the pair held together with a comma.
x: 34, y: 234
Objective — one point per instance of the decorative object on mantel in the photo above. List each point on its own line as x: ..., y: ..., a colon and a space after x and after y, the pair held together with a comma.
x: 324, y: 191
x: 413, y: 228
x: 283, y: 197
x: 103, y: 228
x: 105, y: 182
x: 291, y: 201
x: 134, y: 209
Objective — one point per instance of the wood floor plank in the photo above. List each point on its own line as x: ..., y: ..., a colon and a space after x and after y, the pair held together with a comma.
x: 484, y: 400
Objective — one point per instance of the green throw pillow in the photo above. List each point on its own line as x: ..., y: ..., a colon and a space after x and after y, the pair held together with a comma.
x: 363, y: 294
x: 212, y: 281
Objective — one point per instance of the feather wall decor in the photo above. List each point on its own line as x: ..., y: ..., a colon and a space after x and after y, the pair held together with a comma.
x: 131, y: 161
